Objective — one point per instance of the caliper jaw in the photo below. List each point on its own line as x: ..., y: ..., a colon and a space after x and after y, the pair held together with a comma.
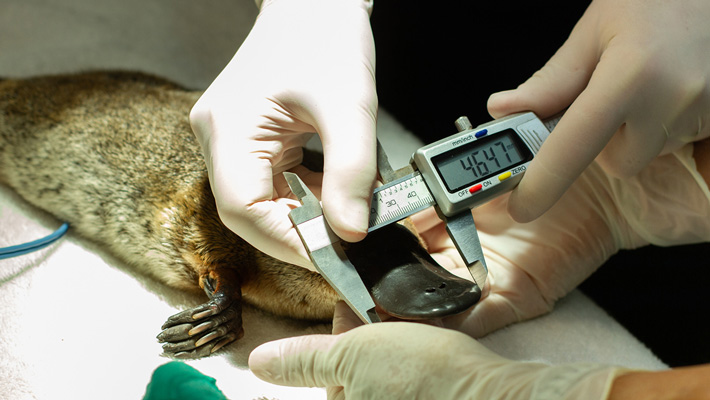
x: 462, y: 231
x: 325, y: 249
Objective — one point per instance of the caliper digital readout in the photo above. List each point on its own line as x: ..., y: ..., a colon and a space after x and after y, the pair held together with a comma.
x: 463, y: 170
x: 475, y: 165
x: 480, y: 159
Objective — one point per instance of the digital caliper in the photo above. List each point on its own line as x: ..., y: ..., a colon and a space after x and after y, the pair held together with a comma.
x: 460, y: 172
x: 464, y: 170
x: 454, y: 174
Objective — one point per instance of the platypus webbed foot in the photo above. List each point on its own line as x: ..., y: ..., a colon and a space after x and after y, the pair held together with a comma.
x: 203, y: 330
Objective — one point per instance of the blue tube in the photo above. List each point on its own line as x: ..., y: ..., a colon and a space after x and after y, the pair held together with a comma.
x: 20, y: 249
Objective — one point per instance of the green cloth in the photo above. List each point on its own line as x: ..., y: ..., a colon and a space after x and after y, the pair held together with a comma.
x: 177, y: 381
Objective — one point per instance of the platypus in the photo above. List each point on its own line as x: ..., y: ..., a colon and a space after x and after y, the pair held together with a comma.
x: 113, y: 154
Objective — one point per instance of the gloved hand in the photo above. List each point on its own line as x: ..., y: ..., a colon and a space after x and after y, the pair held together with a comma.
x: 532, y: 265
x: 306, y: 66
x: 636, y: 78
x: 403, y: 360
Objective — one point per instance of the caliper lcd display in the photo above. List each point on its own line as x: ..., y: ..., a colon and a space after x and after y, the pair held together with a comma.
x: 479, y: 160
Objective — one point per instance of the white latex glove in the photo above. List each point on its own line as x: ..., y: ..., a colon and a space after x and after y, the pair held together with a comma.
x: 532, y: 265
x: 635, y: 75
x: 402, y: 360
x: 306, y: 66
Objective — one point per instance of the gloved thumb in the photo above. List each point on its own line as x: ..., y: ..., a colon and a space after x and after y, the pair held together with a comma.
x: 349, y: 170
x: 300, y: 361
x: 566, y: 81
x: 554, y: 87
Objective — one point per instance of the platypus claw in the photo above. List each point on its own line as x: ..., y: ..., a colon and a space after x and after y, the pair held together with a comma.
x: 201, y: 331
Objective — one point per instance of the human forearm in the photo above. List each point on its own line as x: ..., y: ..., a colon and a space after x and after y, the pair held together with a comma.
x: 673, y: 384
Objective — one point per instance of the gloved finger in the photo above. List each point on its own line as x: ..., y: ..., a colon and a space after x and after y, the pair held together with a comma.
x: 303, y: 361
x: 335, y: 393
x: 550, y: 90
x: 313, y: 180
x: 631, y: 149
x: 582, y: 133
x: 693, y: 128
x: 344, y: 318
x: 555, y: 86
x: 350, y: 170
x: 425, y: 220
x: 490, y: 314
x: 510, y: 296
x: 442, y: 248
x: 247, y: 205
x: 433, y: 232
x: 451, y: 260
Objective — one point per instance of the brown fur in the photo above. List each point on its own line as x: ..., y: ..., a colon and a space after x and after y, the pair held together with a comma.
x: 113, y: 154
